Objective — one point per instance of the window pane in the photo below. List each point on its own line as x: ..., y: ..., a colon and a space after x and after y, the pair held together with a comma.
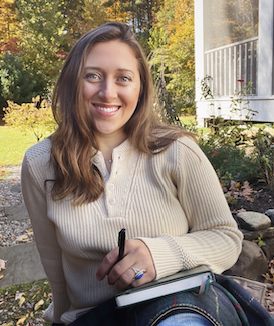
x: 229, y: 21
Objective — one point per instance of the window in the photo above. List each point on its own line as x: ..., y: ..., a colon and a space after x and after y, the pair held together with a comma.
x: 229, y: 21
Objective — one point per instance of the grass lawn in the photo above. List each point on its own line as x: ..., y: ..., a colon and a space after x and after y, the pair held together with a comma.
x: 191, y: 120
x: 188, y: 119
x: 13, y: 145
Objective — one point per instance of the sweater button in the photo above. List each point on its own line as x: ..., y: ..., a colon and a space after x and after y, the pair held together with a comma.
x: 111, y: 186
x: 111, y: 201
x: 96, y: 159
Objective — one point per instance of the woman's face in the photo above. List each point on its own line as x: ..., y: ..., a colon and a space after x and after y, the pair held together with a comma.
x: 111, y: 87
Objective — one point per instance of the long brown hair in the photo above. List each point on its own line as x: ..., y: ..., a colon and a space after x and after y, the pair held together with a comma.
x: 74, y: 144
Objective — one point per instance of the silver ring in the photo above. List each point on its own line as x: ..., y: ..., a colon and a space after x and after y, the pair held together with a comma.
x: 138, y: 273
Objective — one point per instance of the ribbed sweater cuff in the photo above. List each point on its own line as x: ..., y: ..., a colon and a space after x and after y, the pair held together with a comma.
x: 166, y: 255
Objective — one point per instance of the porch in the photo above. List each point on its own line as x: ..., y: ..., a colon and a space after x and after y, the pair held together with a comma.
x: 240, y: 65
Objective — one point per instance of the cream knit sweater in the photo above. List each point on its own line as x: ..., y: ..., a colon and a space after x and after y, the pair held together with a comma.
x: 172, y: 201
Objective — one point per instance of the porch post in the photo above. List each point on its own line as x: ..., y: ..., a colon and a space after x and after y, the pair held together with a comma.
x: 265, y: 48
x: 199, y: 55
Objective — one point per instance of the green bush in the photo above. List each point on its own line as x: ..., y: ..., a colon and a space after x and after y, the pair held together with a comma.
x: 263, y: 155
x: 230, y: 163
x: 18, y: 84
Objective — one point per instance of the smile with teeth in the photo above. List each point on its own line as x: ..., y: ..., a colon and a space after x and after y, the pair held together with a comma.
x: 115, y: 108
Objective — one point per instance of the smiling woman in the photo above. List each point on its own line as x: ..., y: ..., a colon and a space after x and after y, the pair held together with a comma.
x: 113, y: 165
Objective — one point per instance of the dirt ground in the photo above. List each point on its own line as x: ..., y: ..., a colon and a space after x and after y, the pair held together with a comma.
x: 263, y: 199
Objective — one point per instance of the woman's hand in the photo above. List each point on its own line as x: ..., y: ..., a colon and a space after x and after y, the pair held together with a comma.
x: 136, y: 255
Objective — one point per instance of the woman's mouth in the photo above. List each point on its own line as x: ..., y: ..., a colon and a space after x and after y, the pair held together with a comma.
x: 108, y: 109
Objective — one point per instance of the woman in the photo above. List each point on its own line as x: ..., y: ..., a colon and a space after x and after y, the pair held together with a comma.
x: 112, y: 165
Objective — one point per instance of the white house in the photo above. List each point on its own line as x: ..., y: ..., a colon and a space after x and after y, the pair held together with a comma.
x: 234, y: 48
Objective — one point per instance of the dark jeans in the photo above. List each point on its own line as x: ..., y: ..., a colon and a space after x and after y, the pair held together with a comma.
x: 225, y: 303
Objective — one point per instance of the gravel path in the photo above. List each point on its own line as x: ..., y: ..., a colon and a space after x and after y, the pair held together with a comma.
x: 10, y: 195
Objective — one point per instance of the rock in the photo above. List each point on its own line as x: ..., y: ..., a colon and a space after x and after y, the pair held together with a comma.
x: 16, y: 188
x: 270, y: 214
x: 253, y: 221
x: 268, y: 249
x: 252, y: 263
x: 253, y: 235
x: 250, y: 132
x: 23, y: 264
x: 18, y: 212
x: 269, y: 131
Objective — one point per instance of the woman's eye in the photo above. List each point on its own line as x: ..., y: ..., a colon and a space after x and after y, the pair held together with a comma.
x: 92, y: 76
x: 124, y: 79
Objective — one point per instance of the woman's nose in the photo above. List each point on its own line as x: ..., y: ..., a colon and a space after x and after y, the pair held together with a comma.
x: 108, y: 90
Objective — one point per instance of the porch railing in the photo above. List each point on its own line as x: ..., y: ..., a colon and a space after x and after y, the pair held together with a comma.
x: 232, y: 67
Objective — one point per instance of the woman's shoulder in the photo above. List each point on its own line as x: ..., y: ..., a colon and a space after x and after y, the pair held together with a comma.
x: 183, y: 150
x: 185, y: 144
x: 39, y: 153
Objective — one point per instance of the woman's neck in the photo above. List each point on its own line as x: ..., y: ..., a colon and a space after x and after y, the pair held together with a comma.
x: 106, y: 143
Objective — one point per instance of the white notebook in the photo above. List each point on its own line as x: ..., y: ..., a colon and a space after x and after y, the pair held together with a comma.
x: 179, y: 282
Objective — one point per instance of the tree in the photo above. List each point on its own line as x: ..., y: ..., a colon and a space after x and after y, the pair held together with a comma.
x: 139, y: 14
x: 116, y: 10
x: 8, y: 21
x: 17, y: 83
x: 172, y: 42
x: 42, y: 26
x: 30, y: 117
x: 82, y: 16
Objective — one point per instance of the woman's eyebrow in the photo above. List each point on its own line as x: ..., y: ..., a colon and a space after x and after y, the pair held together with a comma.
x: 119, y: 70
x: 91, y: 67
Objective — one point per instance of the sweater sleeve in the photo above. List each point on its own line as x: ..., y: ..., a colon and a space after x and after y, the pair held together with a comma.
x: 34, y: 195
x: 213, y: 238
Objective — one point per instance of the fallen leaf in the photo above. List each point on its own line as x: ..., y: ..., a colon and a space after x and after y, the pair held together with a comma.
x: 8, y: 324
x: 268, y: 278
x: 271, y: 308
x: 1, y: 276
x: 2, y: 264
x: 18, y: 295
x: 271, y: 296
x: 23, y: 238
x: 249, y: 198
x: 38, y: 304
x: 21, y: 320
x: 21, y: 301
x: 235, y: 211
x: 237, y: 185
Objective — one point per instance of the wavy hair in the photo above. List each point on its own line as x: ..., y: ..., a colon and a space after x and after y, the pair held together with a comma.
x: 74, y: 144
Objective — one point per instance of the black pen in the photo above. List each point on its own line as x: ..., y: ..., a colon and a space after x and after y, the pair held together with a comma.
x: 121, y: 243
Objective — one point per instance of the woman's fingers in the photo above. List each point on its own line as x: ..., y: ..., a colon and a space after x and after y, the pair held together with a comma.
x: 107, y: 264
x: 137, y: 256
